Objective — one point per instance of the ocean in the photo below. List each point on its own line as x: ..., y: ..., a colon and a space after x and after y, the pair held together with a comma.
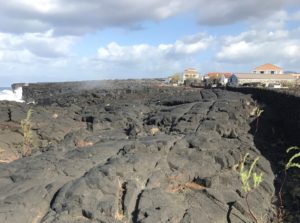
x: 5, y: 88
x: 7, y: 94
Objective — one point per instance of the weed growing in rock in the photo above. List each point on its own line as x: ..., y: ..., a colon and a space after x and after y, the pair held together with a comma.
x: 290, y: 164
x: 250, y: 181
x: 258, y: 113
x: 27, y: 133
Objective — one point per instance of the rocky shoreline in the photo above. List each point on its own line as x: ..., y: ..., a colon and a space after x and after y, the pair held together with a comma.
x: 134, y: 151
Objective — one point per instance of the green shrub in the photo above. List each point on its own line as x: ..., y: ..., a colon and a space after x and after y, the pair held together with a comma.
x: 290, y: 163
x: 246, y: 175
x: 250, y: 181
x: 258, y: 113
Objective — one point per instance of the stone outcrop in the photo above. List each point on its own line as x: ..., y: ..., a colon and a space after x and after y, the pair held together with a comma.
x: 139, y: 154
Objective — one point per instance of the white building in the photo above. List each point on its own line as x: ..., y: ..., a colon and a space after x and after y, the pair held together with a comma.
x: 265, y: 79
x: 190, y: 74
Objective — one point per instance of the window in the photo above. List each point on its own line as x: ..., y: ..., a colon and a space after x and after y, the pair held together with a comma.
x: 262, y: 72
x: 272, y: 72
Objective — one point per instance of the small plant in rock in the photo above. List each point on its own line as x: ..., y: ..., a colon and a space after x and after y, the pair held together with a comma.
x: 290, y: 164
x: 250, y: 181
x: 258, y: 113
x: 26, y: 125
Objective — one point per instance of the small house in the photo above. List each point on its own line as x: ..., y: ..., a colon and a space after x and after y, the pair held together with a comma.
x: 190, y: 74
x: 222, y: 76
x: 268, y: 69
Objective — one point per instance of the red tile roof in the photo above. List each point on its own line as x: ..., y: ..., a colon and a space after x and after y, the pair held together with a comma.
x: 267, y: 66
x: 218, y: 74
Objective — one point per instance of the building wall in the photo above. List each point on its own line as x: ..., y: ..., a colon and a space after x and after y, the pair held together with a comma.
x: 190, y: 75
x: 268, y: 71
x: 265, y: 79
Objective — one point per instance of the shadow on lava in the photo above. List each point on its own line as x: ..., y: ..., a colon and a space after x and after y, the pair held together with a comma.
x: 273, y: 133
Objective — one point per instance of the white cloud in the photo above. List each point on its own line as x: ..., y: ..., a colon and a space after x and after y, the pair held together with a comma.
x: 41, y: 33
x: 280, y: 47
x: 79, y: 17
x: 32, y: 47
x: 274, y: 21
x: 295, y: 16
x: 292, y: 50
x: 115, y: 52
x: 145, y: 58
x: 240, y: 51
x: 75, y: 17
x: 42, y: 6
x: 216, y: 12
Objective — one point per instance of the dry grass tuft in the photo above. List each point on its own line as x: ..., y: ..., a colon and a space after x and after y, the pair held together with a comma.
x: 119, y: 215
x: 55, y: 116
x: 177, y: 188
x: 154, y: 130
x: 82, y: 143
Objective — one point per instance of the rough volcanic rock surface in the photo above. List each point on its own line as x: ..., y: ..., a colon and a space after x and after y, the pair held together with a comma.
x: 277, y: 130
x: 155, y: 155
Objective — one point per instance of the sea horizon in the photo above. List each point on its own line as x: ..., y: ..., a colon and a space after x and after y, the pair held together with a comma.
x: 5, y: 88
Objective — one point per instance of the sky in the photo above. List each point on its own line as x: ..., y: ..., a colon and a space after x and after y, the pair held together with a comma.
x: 69, y: 40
